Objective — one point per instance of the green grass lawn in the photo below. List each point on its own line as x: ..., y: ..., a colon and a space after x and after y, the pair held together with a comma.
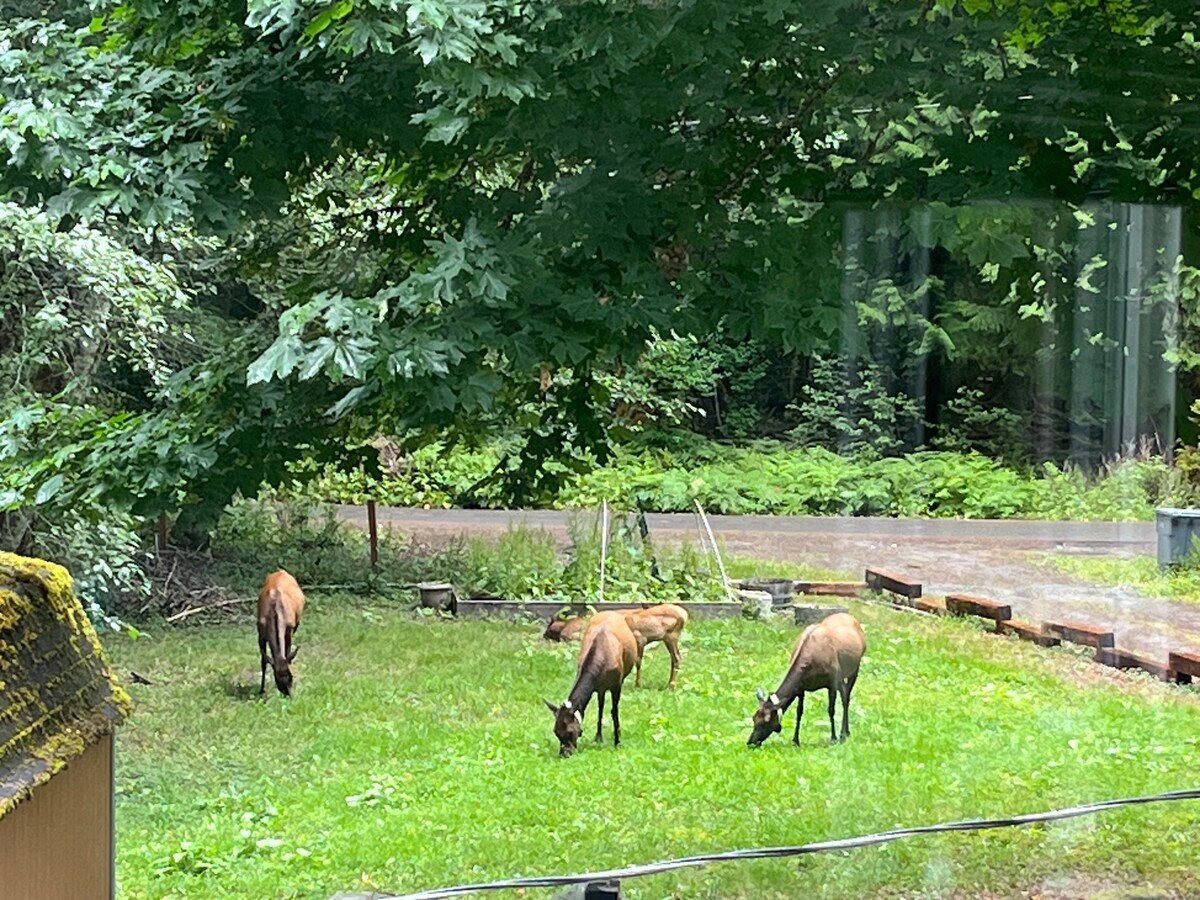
x: 416, y: 752
x: 1139, y: 572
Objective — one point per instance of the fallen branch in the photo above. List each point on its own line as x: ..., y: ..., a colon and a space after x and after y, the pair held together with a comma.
x: 198, y: 609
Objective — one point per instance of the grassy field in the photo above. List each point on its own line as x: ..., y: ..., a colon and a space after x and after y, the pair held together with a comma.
x: 416, y: 752
x: 1140, y: 572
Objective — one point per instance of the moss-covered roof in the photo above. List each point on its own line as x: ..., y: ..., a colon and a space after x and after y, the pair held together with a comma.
x: 57, y: 693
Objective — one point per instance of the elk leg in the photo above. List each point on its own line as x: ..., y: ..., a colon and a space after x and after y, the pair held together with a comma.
x: 799, y: 713
x: 616, y: 702
x: 832, y: 702
x: 846, y: 689
x: 638, y: 665
x: 672, y: 643
x: 262, y: 652
x: 600, y: 719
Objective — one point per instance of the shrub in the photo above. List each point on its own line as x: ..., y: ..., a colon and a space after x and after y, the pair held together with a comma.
x: 770, y: 477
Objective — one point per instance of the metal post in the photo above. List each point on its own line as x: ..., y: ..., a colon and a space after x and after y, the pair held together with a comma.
x: 603, y: 543
x: 373, y: 531
x: 716, y: 552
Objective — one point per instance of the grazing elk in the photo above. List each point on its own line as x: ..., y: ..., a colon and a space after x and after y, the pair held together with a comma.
x: 280, y: 603
x: 607, y: 656
x: 827, y: 655
x: 658, y: 623
x: 565, y: 629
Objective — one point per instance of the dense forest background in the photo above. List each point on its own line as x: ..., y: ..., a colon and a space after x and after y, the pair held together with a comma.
x: 245, y: 243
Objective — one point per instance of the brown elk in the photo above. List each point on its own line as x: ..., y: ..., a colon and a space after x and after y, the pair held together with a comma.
x: 565, y: 629
x: 658, y: 623
x: 827, y: 655
x: 607, y: 656
x: 280, y: 603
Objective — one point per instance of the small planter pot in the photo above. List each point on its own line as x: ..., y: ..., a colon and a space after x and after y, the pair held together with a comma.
x: 437, y: 595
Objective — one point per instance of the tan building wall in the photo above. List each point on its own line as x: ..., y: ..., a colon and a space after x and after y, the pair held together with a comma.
x: 58, y: 844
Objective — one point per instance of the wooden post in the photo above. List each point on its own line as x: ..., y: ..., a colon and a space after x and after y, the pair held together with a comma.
x: 373, y: 532
x: 162, y: 532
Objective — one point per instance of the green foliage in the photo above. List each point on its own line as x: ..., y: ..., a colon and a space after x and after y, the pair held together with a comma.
x: 1178, y: 582
x: 253, y: 537
x: 430, y: 738
x: 972, y: 423
x: 449, y: 220
x: 684, y: 572
x: 662, y: 386
x: 847, y: 406
x: 772, y: 478
x: 442, y: 205
x: 433, y: 475
x: 77, y: 307
x: 1130, y: 489
x: 523, y: 564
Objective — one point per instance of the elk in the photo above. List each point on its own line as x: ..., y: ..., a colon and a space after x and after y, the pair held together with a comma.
x: 608, y: 654
x: 827, y: 655
x: 280, y: 603
x: 658, y: 623
x: 565, y: 629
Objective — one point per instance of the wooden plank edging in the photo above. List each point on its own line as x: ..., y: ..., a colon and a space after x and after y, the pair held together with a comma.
x: 971, y: 605
x: 1082, y: 633
x: 492, y: 606
x: 883, y: 580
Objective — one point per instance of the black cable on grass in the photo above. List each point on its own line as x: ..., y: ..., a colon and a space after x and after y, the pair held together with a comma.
x: 881, y: 837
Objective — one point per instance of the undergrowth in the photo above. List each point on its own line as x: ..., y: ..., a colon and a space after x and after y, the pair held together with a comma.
x: 521, y: 563
x: 769, y: 477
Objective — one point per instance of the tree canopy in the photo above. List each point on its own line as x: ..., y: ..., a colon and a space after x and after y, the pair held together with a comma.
x: 444, y: 215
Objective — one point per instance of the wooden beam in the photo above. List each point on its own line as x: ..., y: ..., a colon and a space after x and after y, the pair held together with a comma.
x: 1183, y: 666
x: 970, y: 605
x: 882, y: 580
x: 830, y: 588
x: 1081, y: 633
x: 1122, y: 659
x: 1027, y: 631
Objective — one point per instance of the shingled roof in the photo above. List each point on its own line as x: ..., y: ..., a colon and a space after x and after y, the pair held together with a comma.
x: 57, y: 693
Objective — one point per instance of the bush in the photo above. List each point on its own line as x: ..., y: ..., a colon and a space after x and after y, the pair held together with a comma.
x: 256, y: 536
x: 770, y: 477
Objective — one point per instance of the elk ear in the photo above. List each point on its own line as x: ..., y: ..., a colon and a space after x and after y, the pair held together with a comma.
x: 292, y: 655
x: 761, y: 695
x: 579, y: 717
x: 550, y: 706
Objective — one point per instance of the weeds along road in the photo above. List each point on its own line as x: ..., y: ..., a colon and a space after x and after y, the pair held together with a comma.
x: 1000, y: 559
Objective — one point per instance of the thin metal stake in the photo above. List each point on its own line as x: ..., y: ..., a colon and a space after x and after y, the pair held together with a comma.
x: 603, y: 543
x: 716, y: 552
x: 374, y: 534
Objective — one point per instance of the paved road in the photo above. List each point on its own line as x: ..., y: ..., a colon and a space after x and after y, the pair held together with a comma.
x: 1001, y: 559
